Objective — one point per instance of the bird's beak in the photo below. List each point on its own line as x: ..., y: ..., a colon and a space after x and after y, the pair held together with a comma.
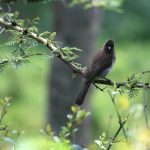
x: 109, y: 47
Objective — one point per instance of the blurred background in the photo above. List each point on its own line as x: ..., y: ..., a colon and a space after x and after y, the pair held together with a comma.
x: 43, y: 90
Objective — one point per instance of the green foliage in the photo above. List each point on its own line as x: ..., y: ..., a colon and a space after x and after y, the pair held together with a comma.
x: 4, y: 103
x: 21, y: 46
x: 7, y: 135
x: 131, y: 86
x: 61, y: 142
x: 101, y: 142
x: 75, y: 119
x: 106, y: 4
x: 69, y: 54
x: 67, y: 132
x: 33, y: 25
x: 21, y: 43
x: 132, y: 81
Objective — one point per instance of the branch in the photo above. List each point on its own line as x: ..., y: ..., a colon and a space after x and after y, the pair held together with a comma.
x: 118, y: 114
x: 42, y: 40
x: 53, y: 48
x: 119, y: 84
x: 116, y: 134
x: 6, y: 61
x: 4, y: 109
x: 145, y: 102
x: 2, y: 30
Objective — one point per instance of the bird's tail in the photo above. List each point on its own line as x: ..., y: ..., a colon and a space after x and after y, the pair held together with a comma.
x: 83, y: 92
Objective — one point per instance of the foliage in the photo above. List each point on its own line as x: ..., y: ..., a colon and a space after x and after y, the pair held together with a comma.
x: 106, y: 4
x: 76, y: 118
x: 68, y: 132
x: 61, y: 142
x: 7, y: 135
x: 101, y: 142
x: 133, y: 91
x: 49, y: 139
x: 130, y: 87
x: 22, y: 44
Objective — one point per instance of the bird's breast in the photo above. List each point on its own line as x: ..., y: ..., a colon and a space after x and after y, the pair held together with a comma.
x: 105, y: 72
x: 108, y: 69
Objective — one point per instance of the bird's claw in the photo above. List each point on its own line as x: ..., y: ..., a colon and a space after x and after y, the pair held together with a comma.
x: 108, y: 80
x: 97, y: 87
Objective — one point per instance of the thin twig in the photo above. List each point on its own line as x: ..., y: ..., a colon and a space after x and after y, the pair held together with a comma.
x: 118, y: 114
x: 119, y: 84
x: 116, y: 134
x: 97, y: 87
x: 3, y: 112
x: 2, y: 31
x: 9, y: 61
x: 144, y: 72
x: 145, y: 104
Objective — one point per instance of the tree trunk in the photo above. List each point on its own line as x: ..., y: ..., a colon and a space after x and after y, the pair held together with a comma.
x: 79, y: 28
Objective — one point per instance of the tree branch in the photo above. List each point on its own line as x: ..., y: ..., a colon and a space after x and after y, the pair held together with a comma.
x: 116, y: 134
x: 145, y: 102
x: 72, y: 66
x: 42, y: 40
x: 118, y: 114
x: 6, y: 61
x: 119, y: 84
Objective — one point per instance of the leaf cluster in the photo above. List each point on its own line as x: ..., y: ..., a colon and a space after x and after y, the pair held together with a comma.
x: 75, y: 118
x: 132, y: 81
x: 21, y: 42
x: 113, y: 5
x: 6, y: 134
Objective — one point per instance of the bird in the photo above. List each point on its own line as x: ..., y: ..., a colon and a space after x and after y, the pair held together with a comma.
x: 100, y: 65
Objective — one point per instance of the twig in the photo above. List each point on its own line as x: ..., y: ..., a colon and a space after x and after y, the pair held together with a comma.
x: 145, y: 103
x: 3, y: 112
x: 119, y: 84
x: 118, y: 114
x: 116, y: 134
x: 43, y: 41
x: 6, y: 61
x: 144, y: 72
x: 97, y: 87
x: 2, y: 30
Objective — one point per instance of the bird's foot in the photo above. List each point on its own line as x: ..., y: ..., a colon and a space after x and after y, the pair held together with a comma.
x: 108, y: 80
x: 97, y: 87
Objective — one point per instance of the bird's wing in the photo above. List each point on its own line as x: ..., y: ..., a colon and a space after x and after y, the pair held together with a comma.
x: 96, y: 68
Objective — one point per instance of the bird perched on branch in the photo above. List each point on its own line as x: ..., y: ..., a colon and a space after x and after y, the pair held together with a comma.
x: 100, y: 66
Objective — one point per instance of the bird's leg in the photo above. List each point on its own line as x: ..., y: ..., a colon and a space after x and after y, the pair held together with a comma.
x: 108, y: 80
x: 97, y: 87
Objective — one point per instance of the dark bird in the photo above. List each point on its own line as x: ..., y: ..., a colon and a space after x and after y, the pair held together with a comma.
x: 100, y: 66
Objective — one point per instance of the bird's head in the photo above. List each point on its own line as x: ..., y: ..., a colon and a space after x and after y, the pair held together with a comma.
x: 109, y: 46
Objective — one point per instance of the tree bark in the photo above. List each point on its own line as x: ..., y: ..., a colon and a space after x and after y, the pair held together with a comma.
x: 79, y: 28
